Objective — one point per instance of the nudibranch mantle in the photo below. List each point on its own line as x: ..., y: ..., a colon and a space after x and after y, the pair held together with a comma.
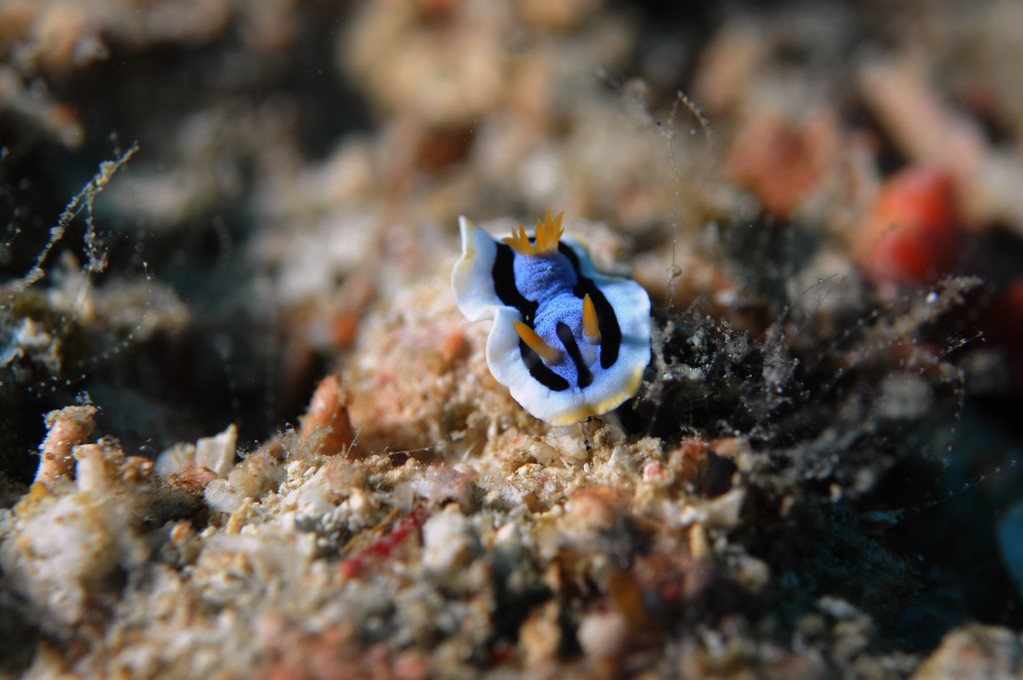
x: 567, y: 342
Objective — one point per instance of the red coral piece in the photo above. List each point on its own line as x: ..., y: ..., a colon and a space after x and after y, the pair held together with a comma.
x: 1002, y: 322
x: 355, y: 566
x: 913, y: 233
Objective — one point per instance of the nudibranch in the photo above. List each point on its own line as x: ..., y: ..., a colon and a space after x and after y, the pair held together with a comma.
x: 567, y: 342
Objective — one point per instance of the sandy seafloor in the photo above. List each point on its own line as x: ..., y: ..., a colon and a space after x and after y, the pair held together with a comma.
x: 245, y: 432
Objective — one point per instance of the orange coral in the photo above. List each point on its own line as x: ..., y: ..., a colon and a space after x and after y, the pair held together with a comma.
x: 327, y: 419
x: 783, y: 161
x: 65, y: 428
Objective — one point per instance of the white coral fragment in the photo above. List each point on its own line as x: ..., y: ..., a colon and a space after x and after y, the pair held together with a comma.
x: 58, y: 553
x: 448, y: 539
x: 215, y: 454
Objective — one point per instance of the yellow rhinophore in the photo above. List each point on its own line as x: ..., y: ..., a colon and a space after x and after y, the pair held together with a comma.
x: 550, y: 355
x: 590, y: 327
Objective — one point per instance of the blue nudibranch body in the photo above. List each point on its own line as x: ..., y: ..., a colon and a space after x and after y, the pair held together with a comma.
x: 567, y: 342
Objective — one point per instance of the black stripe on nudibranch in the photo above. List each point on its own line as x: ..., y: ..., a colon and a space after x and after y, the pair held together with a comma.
x: 568, y: 340
x: 503, y: 274
x: 540, y: 371
x: 567, y: 251
x: 607, y: 319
